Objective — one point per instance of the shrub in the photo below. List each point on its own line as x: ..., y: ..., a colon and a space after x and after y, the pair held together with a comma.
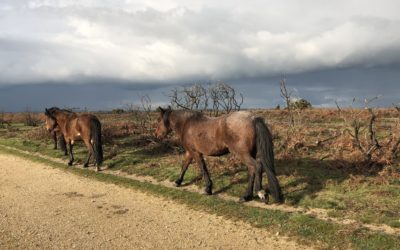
x: 300, y: 104
x: 118, y: 111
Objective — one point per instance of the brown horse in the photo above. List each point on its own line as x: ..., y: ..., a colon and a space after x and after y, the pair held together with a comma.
x: 238, y: 132
x: 74, y: 126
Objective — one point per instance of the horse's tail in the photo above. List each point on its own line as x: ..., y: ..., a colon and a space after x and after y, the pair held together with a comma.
x: 96, y: 141
x: 265, y: 149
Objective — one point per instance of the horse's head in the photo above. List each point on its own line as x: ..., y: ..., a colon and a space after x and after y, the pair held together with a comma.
x: 163, y: 126
x: 50, y: 121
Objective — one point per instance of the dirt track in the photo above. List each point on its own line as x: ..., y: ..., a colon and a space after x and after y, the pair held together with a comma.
x: 42, y: 207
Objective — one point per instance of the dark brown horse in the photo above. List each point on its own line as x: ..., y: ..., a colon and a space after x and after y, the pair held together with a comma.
x: 238, y: 132
x: 77, y: 126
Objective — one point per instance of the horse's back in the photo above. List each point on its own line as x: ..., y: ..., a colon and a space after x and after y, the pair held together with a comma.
x: 240, y: 116
x: 239, y: 121
x: 80, y: 124
x: 87, y: 118
x: 85, y: 122
x: 240, y: 128
x: 234, y: 122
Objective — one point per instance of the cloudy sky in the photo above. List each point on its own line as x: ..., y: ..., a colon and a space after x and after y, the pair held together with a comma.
x: 102, y: 54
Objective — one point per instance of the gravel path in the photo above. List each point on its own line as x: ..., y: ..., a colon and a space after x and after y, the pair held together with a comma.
x: 42, y: 207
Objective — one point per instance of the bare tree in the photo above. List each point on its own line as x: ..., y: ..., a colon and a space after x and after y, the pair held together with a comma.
x: 394, y: 149
x: 337, y: 106
x: 224, y: 97
x: 194, y: 97
x: 29, y: 119
x: 177, y: 99
x: 287, y: 97
x: 372, y: 144
x: 142, y: 114
x: 145, y: 103
x: 370, y: 147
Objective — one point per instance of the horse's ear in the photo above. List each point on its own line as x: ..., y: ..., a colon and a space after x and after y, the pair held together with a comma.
x: 161, y: 110
x: 46, y: 112
x: 169, y: 107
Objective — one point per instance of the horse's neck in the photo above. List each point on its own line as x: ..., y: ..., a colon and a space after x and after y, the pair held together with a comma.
x: 62, y: 119
x: 177, y: 121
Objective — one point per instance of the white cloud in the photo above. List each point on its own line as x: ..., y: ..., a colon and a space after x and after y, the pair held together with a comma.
x: 172, y: 40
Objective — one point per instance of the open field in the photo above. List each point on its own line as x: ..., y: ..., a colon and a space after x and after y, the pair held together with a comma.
x: 318, y: 163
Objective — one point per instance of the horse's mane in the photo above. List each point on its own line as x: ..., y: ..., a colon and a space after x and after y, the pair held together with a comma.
x: 54, y: 109
x: 188, y: 114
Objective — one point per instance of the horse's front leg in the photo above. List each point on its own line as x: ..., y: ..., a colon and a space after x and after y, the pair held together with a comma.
x: 54, y: 134
x: 186, y: 162
x: 71, y: 155
x: 202, y: 164
x: 63, y: 144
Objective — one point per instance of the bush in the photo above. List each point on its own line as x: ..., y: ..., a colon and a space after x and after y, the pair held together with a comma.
x: 118, y: 111
x: 39, y: 133
x: 300, y: 104
x: 30, y: 120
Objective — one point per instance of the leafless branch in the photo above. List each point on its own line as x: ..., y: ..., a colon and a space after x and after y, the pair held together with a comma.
x: 337, y: 106
x: 287, y: 96
x: 222, y: 97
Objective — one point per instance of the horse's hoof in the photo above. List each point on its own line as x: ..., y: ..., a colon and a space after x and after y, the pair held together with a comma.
x: 178, y: 183
x: 245, y: 198
x: 265, y: 199
x: 69, y: 163
x: 263, y: 196
x: 208, y: 191
x: 85, y: 165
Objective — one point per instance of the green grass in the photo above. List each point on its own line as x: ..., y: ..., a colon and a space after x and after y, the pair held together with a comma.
x: 305, y: 229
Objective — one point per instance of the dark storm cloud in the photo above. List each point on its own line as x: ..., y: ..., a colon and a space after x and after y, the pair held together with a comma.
x: 321, y: 88
x: 90, y: 95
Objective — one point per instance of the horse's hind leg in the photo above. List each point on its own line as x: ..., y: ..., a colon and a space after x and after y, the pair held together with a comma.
x: 90, y: 152
x: 200, y: 161
x: 258, y: 184
x: 188, y: 159
x: 251, y: 164
x: 71, y: 155
x: 86, y: 164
